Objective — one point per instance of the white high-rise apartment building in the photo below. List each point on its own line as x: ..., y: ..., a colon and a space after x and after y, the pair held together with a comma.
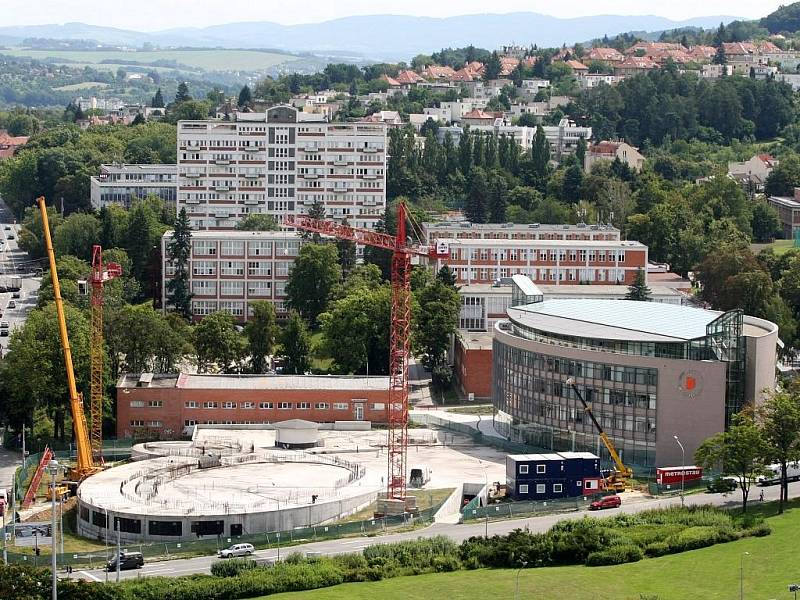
x: 280, y: 162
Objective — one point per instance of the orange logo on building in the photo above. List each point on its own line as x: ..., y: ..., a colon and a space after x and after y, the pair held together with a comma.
x: 689, y: 383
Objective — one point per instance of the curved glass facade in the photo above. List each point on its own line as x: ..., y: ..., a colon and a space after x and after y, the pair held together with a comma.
x: 531, y: 388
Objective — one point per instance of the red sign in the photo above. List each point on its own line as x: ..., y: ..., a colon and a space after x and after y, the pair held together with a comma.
x: 674, y: 475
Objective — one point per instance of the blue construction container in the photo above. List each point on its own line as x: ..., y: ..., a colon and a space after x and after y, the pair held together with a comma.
x: 548, y: 476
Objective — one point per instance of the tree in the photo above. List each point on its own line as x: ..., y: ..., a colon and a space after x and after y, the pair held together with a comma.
x: 31, y: 236
x: 257, y: 222
x: 218, y: 343
x: 182, y: 94
x: 498, y: 191
x: 779, y: 417
x: 260, y: 331
x: 447, y: 276
x: 477, y: 201
x: 179, y: 251
x: 296, y: 345
x: 580, y: 152
x: 76, y: 236
x: 492, y: 67
x: 719, y: 56
x: 356, y: 329
x: 34, y: 375
x: 784, y: 177
x: 314, y: 275
x: 315, y: 211
x: 540, y: 159
x: 766, y: 223
x: 142, y: 241
x: 347, y: 253
x: 638, y: 290
x: 740, y: 451
x: 245, y: 97
x: 435, y: 321
x: 573, y: 178
x: 158, y: 99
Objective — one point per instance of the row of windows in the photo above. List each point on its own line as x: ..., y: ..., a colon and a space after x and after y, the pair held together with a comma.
x: 537, y: 275
x: 278, y: 405
x: 150, y: 403
x: 541, y: 488
x: 141, y: 423
x: 537, y: 255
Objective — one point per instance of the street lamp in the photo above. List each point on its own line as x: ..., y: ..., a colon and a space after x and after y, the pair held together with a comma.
x: 741, y: 574
x: 794, y: 588
x: 523, y: 564
x: 683, y: 466
x: 53, y: 468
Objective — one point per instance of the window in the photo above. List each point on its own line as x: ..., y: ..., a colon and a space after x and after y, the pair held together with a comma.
x: 541, y: 469
x: 321, y: 406
x: 284, y: 405
x: 379, y: 406
x: 204, y: 248
x: 540, y: 488
x: 204, y: 288
x: 155, y: 424
x: 247, y: 405
x: 231, y: 288
x: 340, y: 406
x: 204, y: 267
x: 190, y: 404
x: 209, y: 405
x: 229, y: 405
x: 232, y: 267
x: 265, y: 405
x: 170, y: 528
x: 189, y: 422
x: 137, y: 403
x: 137, y: 423
x: 232, y: 248
x: 523, y: 489
x: 303, y: 405
x: 558, y: 488
x: 259, y: 268
x: 259, y: 288
x: 155, y: 403
x: 523, y: 469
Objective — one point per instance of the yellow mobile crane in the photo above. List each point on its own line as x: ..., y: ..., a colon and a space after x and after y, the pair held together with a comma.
x: 85, y: 464
x: 619, y: 480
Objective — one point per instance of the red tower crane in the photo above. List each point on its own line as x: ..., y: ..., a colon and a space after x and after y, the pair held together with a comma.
x: 399, y: 344
x: 100, y: 274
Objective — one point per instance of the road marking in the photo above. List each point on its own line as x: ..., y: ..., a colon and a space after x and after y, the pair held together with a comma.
x: 90, y: 575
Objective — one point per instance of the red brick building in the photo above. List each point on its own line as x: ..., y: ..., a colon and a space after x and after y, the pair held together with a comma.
x: 162, y: 405
x: 472, y: 364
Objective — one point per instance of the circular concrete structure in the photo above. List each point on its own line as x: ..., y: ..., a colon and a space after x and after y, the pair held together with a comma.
x: 193, y: 493
x: 296, y: 434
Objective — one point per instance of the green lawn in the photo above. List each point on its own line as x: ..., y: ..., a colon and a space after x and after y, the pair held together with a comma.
x: 711, y: 574
x: 86, y: 85
x: 208, y: 60
x: 479, y: 409
x: 779, y: 246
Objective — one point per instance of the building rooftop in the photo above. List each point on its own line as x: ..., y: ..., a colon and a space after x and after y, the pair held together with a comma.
x: 785, y: 201
x: 137, y: 168
x: 235, y: 234
x: 476, y: 340
x: 484, y: 242
x: 657, y: 291
x: 616, y: 319
x: 195, y: 381
x: 462, y: 225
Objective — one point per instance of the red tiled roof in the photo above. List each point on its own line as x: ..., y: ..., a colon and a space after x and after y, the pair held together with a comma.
x: 606, y: 54
x: 462, y: 75
x: 739, y: 48
x: 576, y: 65
x: 477, y: 113
x: 391, y: 81
x: 438, y: 72
x: 408, y: 77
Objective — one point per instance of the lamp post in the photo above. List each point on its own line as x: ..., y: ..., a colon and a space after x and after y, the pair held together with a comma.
x: 53, y: 467
x: 794, y: 588
x: 683, y: 466
x: 741, y: 574
x: 523, y: 564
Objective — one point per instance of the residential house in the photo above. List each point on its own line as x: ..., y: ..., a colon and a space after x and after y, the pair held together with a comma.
x: 577, y: 66
x: 480, y: 117
x: 716, y: 71
x: 10, y: 143
x: 634, y: 65
x: 610, y: 150
x: 391, y: 81
x: 702, y: 54
x: 788, y: 212
x: 408, y: 78
x: 609, y: 55
x: 507, y: 65
x: 588, y: 81
x: 565, y: 136
x: 389, y: 117
x: 437, y: 72
x: 753, y: 172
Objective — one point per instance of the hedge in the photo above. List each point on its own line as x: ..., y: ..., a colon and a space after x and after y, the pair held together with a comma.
x: 615, y: 555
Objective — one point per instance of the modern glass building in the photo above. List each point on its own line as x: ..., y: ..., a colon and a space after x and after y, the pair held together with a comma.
x: 649, y: 371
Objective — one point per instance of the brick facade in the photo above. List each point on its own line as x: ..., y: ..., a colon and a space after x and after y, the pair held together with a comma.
x: 169, y: 403
x: 472, y: 364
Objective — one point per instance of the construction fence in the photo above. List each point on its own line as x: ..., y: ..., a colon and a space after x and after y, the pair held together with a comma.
x: 208, y: 544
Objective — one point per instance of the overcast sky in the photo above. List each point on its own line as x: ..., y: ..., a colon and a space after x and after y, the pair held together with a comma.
x: 152, y: 15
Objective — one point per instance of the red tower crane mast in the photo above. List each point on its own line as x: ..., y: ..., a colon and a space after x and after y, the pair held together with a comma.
x: 399, y: 344
x: 100, y: 274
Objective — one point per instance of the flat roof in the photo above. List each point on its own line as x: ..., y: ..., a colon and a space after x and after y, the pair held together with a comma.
x: 121, y: 168
x: 785, y: 201
x: 555, y: 290
x: 484, y: 242
x: 476, y: 340
x: 616, y: 319
x: 193, y: 381
x: 234, y: 234
x: 469, y: 226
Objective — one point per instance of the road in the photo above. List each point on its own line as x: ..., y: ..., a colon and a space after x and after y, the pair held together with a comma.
x: 458, y: 533
x: 14, y: 261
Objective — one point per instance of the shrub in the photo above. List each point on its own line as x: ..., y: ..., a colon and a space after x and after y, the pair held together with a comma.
x: 446, y: 564
x: 759, y: 530
x: 232, y: 567
x: 615, y: 555
x: 692, y: 538
x: 657, y: 549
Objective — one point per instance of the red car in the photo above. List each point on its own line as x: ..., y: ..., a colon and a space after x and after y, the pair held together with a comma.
x: 607, y: 502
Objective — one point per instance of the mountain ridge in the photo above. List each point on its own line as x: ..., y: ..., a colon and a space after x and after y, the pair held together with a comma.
x: 376, y: 36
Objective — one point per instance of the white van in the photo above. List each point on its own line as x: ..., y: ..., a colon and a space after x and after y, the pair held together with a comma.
x: 237, y: 550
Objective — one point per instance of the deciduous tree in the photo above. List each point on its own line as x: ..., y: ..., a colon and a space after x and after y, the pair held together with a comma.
x: 315, y: 273
x: 260, y: 331
x: 295, y: 345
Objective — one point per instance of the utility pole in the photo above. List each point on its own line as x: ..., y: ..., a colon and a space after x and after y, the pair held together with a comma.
x: 119, y: 553
x: 53, y: 467
x: 683, y: 467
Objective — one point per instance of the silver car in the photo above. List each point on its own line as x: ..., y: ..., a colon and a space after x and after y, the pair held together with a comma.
x: 237, y: 550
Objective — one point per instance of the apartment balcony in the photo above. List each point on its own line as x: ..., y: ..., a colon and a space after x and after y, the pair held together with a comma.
x: 369, y: 150
x: 192, y: 175
x: 222, y: 162
x: 248, y: 149
x: 222, y: 188
x: 252, y: 175
x: 340, y: 163
x: 369, y: 177
x: 309, y: 175
x: 340, y: 190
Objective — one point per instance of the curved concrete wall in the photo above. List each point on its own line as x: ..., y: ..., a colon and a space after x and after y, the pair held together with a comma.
x: 762, y: 355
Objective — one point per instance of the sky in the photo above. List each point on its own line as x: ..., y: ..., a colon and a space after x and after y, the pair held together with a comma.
x: 154, y: 15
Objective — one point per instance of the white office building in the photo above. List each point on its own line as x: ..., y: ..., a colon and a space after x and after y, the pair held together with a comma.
x: 123, y: 183
x: 280, y: 162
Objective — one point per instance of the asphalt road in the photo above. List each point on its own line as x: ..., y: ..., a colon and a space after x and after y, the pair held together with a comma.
x: 456, y: 532
x: 14, y: 261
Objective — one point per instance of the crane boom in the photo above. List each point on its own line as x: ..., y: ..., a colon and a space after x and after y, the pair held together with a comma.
x: 399, y: 337
x: 85, y: 465
x: 623, y: 470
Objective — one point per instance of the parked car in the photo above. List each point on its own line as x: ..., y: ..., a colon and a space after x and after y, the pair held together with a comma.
x: 237, y: 550
x: 607, y: 502
x: 12, y: 304
x: 10, y: 237
x: 722, y: 485
x: 15, y: 295
x: 128, y: 560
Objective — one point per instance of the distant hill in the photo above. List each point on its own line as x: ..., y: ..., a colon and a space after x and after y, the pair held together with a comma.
x: 377, y: 36
x: 785, y: 18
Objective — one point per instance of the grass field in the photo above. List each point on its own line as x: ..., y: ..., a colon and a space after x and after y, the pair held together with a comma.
x: 779, y: 246
x: 86, y: 85
x: 479, y: 409
x: 207, y: 60
x: 711, y: 574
